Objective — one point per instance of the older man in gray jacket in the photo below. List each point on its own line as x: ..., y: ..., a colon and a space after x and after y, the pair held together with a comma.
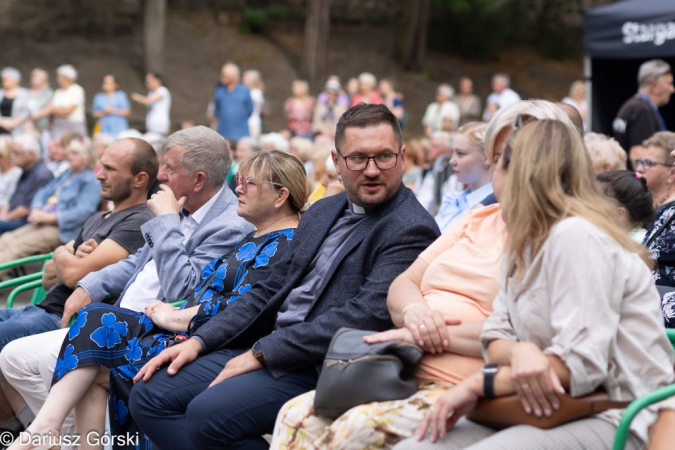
x: 196, y: 221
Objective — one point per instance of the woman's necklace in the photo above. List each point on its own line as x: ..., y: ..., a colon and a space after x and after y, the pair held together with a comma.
x: 281, y: 224
x: 664, y: 199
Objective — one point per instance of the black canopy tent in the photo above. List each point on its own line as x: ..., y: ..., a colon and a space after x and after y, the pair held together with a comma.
x: 618, y: 38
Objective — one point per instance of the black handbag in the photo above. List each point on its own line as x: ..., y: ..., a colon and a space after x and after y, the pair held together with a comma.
x: 355, y: 373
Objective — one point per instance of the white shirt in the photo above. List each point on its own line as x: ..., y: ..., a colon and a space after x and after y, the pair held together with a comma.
x: 157, y: 120
x: 505, y: 98
x: 435, y: 113
x: 74, y: 95
x: 8, y: 182
x: 455, y: 204
x: 145, y: 288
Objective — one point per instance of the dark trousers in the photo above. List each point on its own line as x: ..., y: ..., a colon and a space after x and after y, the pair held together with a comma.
x: 179, y: 412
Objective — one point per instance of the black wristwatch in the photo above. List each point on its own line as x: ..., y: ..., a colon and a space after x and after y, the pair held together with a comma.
x: 257, y: 352
x: 489, y: 373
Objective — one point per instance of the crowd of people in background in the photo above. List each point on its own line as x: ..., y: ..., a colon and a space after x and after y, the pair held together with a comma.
x: 507, y: 233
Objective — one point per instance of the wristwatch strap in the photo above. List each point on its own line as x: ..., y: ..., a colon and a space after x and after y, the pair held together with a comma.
x: 489, y: 373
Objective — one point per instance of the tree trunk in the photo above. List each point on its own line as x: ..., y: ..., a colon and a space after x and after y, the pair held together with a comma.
x: 153, y: 35
x: 315, y: 49
x: 413, y: 40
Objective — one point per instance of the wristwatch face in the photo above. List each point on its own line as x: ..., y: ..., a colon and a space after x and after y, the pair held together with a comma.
x: 256, y: 348
x: 490, y: 369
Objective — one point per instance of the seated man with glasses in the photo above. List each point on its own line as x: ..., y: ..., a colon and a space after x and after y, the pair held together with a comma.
x: 264, y: 349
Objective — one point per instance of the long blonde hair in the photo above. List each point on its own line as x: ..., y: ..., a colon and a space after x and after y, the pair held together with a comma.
x: 550, y: 178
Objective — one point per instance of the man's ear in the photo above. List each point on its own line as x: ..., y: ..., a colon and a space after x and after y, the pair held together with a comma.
x: 336, y: 160
x: 200, y: 181
x: 140, y: 180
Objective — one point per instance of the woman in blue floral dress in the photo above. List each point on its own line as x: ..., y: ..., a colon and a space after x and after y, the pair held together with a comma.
x: 272, y: 196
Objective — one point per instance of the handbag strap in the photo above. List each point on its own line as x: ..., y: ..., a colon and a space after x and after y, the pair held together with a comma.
x: 658, y: 232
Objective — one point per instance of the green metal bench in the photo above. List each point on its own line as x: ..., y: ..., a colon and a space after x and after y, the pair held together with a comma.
x: 623, y: 430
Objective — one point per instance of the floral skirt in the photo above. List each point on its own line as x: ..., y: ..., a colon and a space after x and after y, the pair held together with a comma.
x: 378, y: 425
x: 121, y: 340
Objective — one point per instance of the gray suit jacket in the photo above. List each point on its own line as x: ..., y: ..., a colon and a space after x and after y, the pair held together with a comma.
x: 353, y: 294
x: 178, y: 266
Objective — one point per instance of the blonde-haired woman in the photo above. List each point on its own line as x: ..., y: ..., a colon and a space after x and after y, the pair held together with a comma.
x: 299, y: 109
x: 577, y: 309
x: 273, y: 190
x: 253, y: 81
x: 471, y: 166
x: 9, y: 173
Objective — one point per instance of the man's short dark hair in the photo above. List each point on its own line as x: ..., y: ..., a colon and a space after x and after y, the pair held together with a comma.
x: 144, y: 159
x: 367, y: 115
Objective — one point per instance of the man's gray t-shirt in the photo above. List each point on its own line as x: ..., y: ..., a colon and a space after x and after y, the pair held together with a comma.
x: 123, y: 227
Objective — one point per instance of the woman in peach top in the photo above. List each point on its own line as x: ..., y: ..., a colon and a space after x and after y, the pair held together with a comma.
x: 441, y: 303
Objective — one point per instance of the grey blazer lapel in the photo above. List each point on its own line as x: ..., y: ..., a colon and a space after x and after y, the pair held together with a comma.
x: 225, y: 197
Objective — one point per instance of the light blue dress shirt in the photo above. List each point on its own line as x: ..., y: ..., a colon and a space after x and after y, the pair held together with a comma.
x: 455, y: 204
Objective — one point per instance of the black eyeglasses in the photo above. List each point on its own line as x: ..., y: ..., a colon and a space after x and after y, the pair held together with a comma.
x: 648, y: 163
x: 383, y: 161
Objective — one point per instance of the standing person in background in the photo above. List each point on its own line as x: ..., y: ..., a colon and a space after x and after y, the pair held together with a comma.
x: 158, y: 101
x: 442, y: 108
x: 111, y: 107
x: 342, y: 97
x: 352, y: 87
x: 253, y: 81
x: 392, y: 99
x: 328, y: 112
x: 501, y: 97
x: 577, y: 98
x: 67, y: 106
x: 367, y: 92
x: 39, y: 96
x: 639, y: 117
x: 13, y: 102
x: 468, y: 102
x: 9, y: 173
x: 299, y: 109
x: 232, y: 104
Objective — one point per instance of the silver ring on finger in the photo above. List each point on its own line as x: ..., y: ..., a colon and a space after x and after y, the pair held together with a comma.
x: 525, y: 386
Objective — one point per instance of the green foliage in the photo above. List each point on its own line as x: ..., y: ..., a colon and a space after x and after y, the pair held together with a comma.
x: 473, y: 28
x: 480, y: 29
x: 256, y: 20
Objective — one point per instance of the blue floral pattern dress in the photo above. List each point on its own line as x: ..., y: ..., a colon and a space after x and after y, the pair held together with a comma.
x: 124, y: 340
